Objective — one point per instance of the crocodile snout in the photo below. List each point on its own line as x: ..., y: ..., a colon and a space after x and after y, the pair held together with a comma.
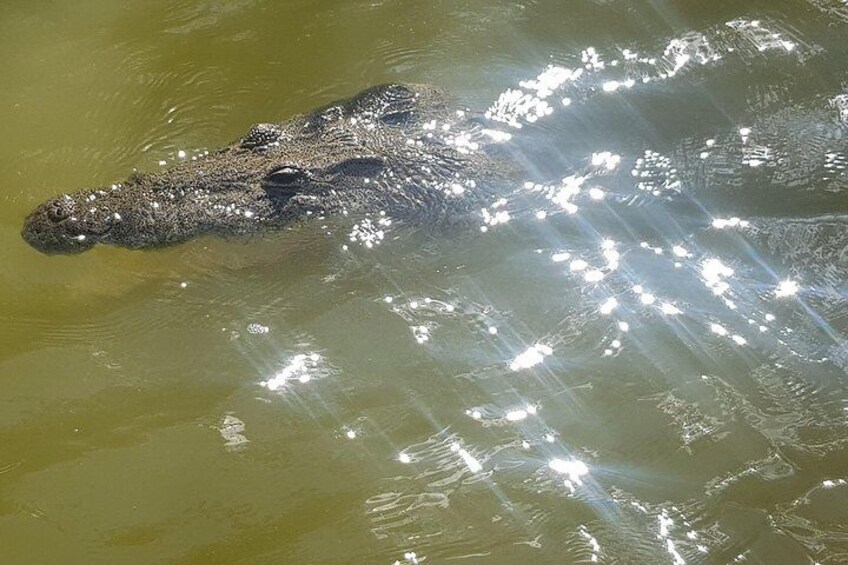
x: 52, y: 228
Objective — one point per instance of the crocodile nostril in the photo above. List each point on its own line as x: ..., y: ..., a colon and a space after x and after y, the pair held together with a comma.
x: 58, y: 210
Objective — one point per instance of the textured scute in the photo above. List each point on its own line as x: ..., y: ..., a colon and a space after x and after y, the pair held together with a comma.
x: 376, y: 151
x: 262, y: 135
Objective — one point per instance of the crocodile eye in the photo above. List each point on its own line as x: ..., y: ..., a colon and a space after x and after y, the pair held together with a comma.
x: 288, y: 176
x: 360, y: 166
x: 399, y: 118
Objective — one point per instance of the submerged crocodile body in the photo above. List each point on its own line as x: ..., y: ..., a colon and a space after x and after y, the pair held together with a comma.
x: 398, y: 148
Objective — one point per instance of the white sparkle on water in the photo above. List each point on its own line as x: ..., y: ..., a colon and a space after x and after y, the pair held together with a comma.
x: 299, y: 369
x: 786, y: 288
x: 574, y: 468
x: 593, y: 276
x: 578, y: 265
x: 670, y: 309
x: 609, y: 305
x: 721, y: 223
x: 520, y: 414
x: 679, y: 251
x: 718, y: 329
x: 470, y: 461
x: 606, y: 160
x: 531, y: 357
x: 714, y: 272
x: 739, y: 339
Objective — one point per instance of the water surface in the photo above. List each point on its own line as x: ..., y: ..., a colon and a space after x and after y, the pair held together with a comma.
x: 637, y: 355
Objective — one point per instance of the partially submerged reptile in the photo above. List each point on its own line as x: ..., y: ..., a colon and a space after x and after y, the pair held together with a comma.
x: 398, y: 148
x: 404, y: 150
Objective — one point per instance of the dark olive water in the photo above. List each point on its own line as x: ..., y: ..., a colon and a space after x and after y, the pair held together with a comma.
x: 639, y: 357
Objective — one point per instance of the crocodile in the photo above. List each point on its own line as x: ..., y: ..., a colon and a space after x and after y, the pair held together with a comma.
x: 396, y: 148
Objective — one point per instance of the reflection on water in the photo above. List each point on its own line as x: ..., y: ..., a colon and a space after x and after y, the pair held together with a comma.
x: 635, y: 354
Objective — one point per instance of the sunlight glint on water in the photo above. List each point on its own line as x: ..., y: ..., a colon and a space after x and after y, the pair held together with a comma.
x: 635, y: 353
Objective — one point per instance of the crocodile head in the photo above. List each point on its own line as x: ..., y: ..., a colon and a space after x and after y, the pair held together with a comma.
x: 363, y: 153
x: 239, y: 191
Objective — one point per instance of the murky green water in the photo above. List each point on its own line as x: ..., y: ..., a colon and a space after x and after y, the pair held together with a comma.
x: 640, y: 360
